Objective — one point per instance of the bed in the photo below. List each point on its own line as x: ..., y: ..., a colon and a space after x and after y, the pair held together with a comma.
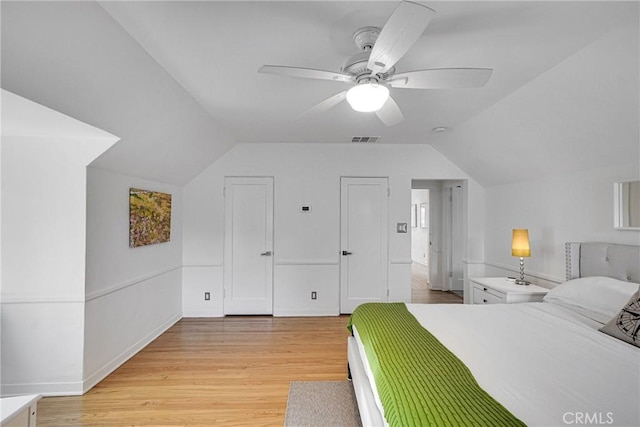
x: 539, y: 364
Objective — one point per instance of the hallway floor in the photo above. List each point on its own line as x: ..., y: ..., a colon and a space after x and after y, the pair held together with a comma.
x: 420, y: 292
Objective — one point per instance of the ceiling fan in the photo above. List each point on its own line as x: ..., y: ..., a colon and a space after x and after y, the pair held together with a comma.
x: 372, y: 71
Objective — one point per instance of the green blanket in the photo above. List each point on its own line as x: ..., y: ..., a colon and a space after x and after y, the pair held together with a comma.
x: 421, y: 382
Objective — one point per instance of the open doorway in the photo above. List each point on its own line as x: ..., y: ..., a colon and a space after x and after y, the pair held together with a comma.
x: 429, y: 235
x: 420, y: 229
x: 420, y: 242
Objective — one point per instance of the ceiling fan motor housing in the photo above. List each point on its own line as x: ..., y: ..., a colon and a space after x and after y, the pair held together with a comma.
x: 366, y: 37
x: 356, y: 65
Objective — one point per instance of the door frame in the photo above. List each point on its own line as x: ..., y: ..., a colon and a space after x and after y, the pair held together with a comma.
x: 453, y: 213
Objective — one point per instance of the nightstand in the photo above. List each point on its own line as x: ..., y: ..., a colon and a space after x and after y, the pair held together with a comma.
x: 496, y: 290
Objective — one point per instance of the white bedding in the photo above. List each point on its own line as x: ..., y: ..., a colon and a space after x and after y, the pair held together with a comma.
x: 547, y: 365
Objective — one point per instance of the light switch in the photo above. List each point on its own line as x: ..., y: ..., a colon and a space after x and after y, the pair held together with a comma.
x: 402, y: 227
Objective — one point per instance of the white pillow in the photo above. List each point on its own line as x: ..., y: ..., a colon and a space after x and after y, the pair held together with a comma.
x: 599, y: 298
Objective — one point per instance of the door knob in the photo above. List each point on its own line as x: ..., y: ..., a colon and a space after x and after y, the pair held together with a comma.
x: 346, y: 253
x: 267, y: 253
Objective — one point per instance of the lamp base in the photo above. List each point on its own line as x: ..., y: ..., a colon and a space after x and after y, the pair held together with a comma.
x: 521, y: 280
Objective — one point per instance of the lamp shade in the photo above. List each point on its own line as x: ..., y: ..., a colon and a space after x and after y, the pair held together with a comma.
x: 520, y: 243
x: 367, y: 97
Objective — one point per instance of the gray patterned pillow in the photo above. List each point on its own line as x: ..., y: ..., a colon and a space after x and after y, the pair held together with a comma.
x: 626, y: 324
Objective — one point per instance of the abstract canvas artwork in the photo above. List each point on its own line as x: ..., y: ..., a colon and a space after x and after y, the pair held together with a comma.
x: 149, y: 217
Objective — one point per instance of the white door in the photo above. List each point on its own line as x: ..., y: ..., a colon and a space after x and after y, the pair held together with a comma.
x: 248, y: 246
x: 363, y: 239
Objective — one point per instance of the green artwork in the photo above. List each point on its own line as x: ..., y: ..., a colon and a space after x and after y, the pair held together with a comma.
x: 149, y: 217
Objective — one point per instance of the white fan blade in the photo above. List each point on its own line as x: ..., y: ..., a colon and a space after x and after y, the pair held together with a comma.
x: 306, y: 73
x: 442, y: 78
x: 401, y: 31
x: 390, y: 113
x: 326, y: 104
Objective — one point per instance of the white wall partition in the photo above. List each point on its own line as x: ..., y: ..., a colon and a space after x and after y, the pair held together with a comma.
x: 132, y: 294
x: 44, y: 158
x: 76, y: 301
x: 306, y: 251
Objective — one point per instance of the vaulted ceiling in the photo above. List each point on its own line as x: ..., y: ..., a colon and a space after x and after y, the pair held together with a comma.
x: 177, y: 81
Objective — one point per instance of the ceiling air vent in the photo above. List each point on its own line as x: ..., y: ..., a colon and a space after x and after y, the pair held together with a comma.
x: 365, y: 139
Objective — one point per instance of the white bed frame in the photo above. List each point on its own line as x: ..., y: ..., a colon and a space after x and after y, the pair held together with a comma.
x: 582, y: 260
x: 369, y: 412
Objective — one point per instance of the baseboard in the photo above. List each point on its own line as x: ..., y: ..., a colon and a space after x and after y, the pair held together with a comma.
x: 307, y: 313
x: 278, y: 313
x: 114, y: 364
x: 45, y: 389
x: 200, y: 313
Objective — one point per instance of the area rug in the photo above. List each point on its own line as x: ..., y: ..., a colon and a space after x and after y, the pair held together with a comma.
x: 322, y: 403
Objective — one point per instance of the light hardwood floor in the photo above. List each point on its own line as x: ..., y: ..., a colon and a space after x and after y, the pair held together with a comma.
x: 232, y: 371
x: 420, y: 292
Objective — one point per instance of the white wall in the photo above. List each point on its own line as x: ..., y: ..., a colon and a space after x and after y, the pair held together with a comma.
x: 572, y: 207
x: 419, y: 235
x: 306, y: 247
x: 43, y: 264
x: 540, y: 154
x: 43, y: 240
x: 474, y: 213
x: 580, y: 114
x: 76, y: 300
x: 132, y: 294
x: 73, y: 56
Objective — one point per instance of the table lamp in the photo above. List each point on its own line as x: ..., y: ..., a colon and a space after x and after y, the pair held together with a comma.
x: 520, y: 248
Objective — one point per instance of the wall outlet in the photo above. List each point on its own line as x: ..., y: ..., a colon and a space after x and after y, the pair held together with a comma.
x: 207, y: 296
x: 314, y: 295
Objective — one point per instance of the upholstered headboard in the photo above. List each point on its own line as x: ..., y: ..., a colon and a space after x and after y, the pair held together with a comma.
x: 603, y: 259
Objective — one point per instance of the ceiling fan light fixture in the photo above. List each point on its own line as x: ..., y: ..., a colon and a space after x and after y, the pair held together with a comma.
x: 367, y: 97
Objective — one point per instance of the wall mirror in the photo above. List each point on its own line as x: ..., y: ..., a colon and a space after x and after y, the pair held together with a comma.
x: 626, y: 207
